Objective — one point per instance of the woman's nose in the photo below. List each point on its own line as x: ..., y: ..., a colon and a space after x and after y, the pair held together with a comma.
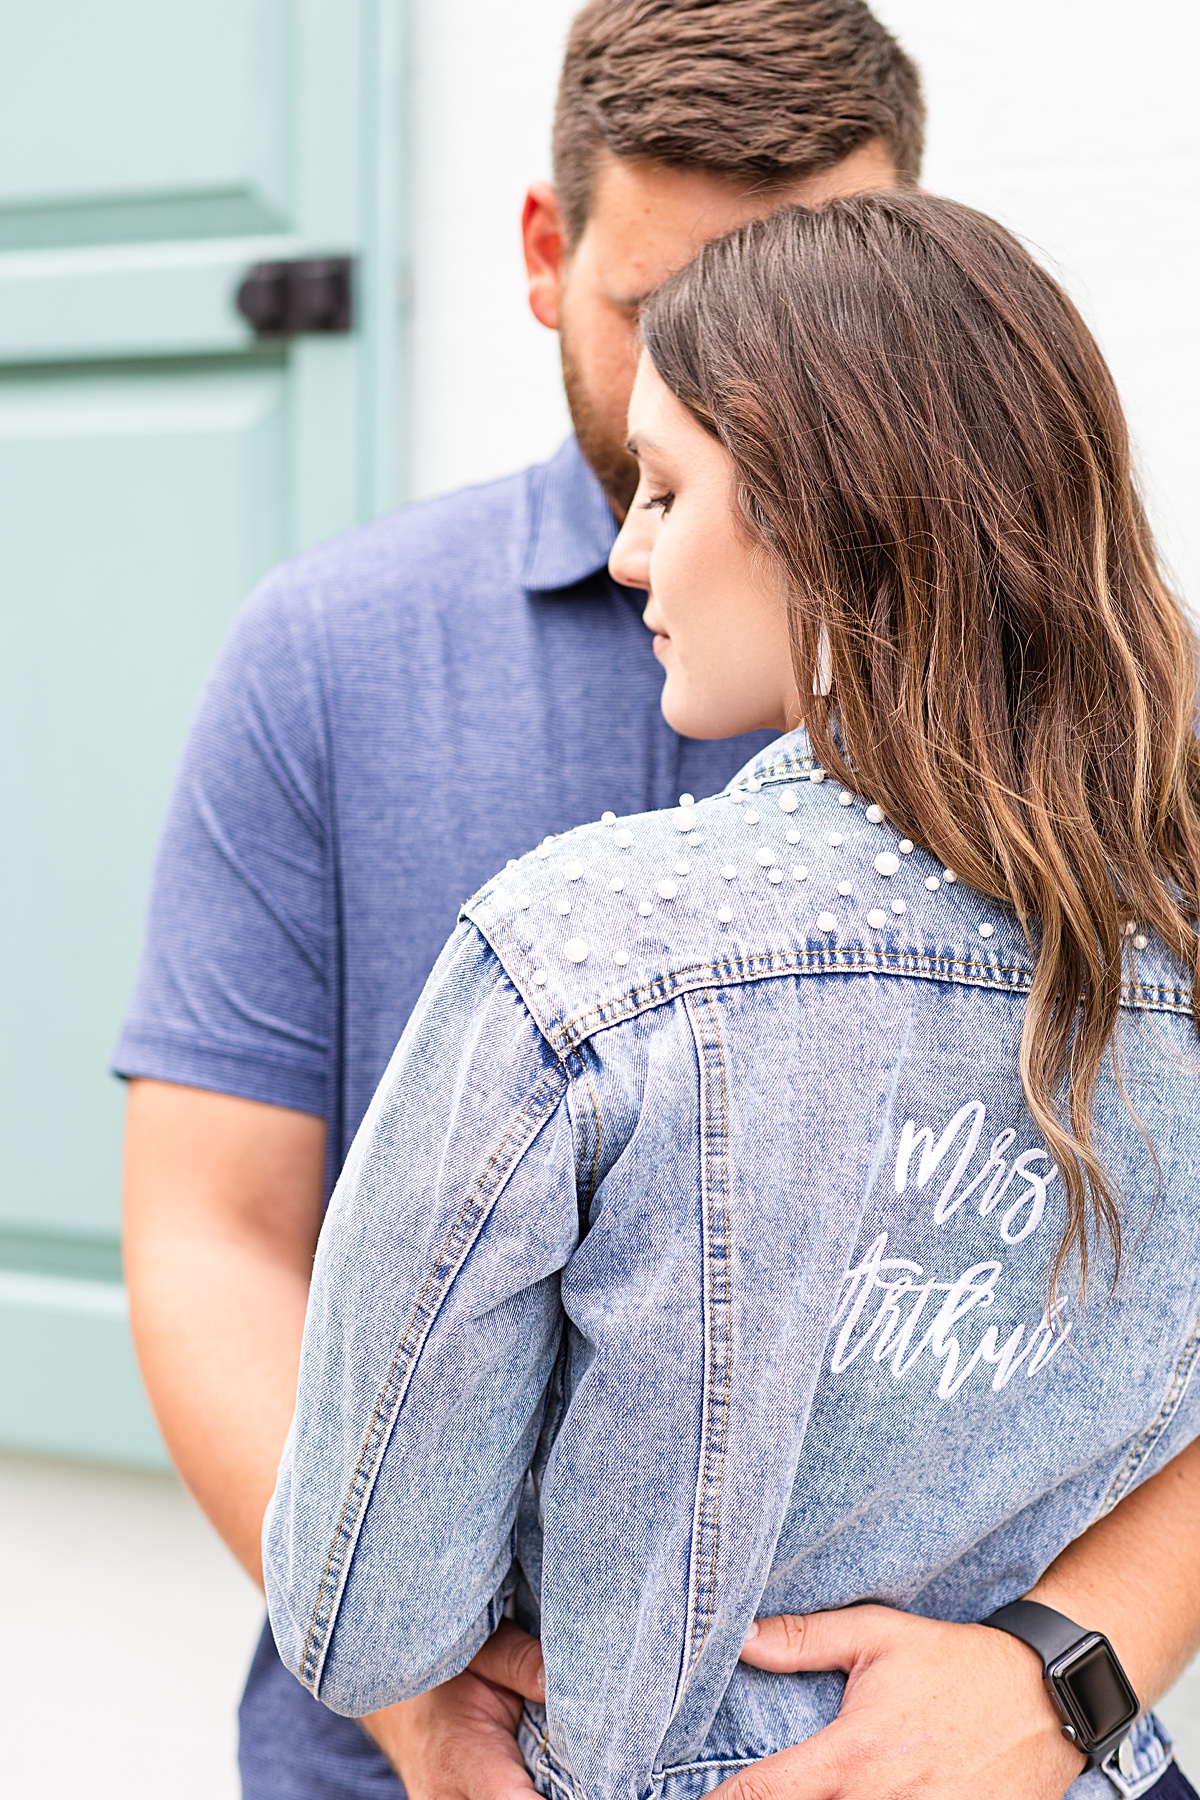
x: 629, y: 560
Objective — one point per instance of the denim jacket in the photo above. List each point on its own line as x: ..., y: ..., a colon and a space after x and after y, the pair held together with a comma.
x: 691, y: 1265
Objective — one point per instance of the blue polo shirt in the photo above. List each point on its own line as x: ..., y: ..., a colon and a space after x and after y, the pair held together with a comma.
x: 470, y: 660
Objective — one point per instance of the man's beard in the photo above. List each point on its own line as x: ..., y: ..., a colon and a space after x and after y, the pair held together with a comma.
x: 603, y: 446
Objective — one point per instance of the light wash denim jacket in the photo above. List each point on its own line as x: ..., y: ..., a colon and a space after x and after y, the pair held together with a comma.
x: 690, y: 1265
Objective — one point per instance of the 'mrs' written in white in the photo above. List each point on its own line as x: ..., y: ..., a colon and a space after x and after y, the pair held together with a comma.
x: 891, y: 1305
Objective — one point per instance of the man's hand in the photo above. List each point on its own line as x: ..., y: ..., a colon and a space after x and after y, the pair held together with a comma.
x: 930, y: 1710
x: 458, y: 1742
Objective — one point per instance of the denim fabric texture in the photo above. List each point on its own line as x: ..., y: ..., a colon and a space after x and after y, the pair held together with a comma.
x: 691, y: 1264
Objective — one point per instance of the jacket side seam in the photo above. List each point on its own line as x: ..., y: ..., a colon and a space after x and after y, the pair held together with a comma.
x: 1176, y: 1389
x: 718, y: 1330
x: 450, y: 1257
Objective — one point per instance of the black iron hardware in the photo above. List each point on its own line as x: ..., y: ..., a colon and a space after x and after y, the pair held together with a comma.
x: 283, y: 299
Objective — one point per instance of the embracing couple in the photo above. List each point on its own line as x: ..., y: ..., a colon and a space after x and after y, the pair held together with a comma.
x: 750, y: 1339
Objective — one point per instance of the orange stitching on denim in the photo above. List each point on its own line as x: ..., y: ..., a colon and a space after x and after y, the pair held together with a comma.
x: 552, y: 1076
x: 1175, y: 1391
x: 727, y: 1391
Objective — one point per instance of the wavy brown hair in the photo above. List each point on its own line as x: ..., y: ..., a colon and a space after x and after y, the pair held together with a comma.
x: 928, y: 444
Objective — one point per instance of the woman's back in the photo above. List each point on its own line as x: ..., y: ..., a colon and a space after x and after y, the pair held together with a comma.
x: 762, y: 1108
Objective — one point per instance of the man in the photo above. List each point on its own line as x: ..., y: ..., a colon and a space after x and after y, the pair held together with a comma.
x: 360, y: 763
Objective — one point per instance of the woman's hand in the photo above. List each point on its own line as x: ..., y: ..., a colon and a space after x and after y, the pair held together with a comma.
x: 930, y: 1712
x: 459, y: 1741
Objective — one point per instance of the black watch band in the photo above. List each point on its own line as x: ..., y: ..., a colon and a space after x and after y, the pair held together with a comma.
x: 1091, y: 1691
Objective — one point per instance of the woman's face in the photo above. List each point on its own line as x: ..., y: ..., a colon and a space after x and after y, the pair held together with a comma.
x: 715, y: 606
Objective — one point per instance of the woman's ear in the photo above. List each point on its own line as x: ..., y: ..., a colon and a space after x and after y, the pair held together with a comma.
x: 545, y: 255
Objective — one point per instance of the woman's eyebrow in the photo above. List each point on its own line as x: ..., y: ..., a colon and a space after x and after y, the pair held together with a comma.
x: 635, y: 445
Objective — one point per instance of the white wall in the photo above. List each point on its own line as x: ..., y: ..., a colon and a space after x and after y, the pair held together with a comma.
x: 1076, y: 123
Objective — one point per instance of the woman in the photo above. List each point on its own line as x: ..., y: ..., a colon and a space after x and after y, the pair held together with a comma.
x: 847, y: 1121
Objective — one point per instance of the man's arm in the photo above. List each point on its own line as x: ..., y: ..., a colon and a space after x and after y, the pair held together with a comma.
x: 222, y: 1210
x: 947, y: 1710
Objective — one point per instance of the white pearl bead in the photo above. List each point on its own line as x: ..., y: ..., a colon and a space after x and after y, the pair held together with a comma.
x: 788, y: 800
x: 799, y: 873
x: 986, y: 930
x: 875, y: 814
x: 729, y: 872
x: 886, y: 863
x: 620, y: 957
x: 725, y: 914
x: 563, y: 907
x: 932, y: 883
x: 608, y: 818
x: 845, y: 889
x: 523, y: 902
x: 645, y: 908
x: 754, y: 784
x: 906, y: 846
x: 774, y: 874
x: 1130, y: 928
x: 737, y: 796
x: 539, y: 978
x: 683, y: 868
x: 685, y: 819
x: 793, y: 836
x: 826, y: 922
x: 623, y: 838
x: 543, y: 850
x: 617, y: 884
x: 898, y: 906
x: 845, y: 798
x: 575, y: 950
x: 949, y: 875
x: 695, y: 838
x: 573, y: 871
x: 511, y: 863
x: 817, y: 776
x: 1140, y: 941
x: 764, y: 855
x: 667, y: 890
x: 750, y: 817
x: 687, y: 799
x: 876, y: 919
x: 835, y: 839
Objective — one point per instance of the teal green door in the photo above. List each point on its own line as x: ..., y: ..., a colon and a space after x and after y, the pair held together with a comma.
x: 155, y: 460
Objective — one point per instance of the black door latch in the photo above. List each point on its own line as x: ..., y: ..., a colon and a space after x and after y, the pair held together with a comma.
x: 283, y: 299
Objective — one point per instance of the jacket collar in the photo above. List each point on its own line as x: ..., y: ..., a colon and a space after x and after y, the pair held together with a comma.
x: 571, y: 527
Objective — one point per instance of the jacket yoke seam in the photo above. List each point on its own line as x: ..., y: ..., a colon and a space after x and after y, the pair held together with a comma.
x: 778, y: 964
x: 455, y: 1246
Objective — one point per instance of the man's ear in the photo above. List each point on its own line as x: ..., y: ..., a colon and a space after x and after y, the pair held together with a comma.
x: 545, y: 256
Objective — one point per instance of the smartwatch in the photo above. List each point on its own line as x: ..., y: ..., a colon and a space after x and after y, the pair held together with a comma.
x: 1091, y: 1691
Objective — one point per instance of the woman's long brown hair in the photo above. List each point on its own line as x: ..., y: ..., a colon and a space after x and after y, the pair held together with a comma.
x: 928, y: 444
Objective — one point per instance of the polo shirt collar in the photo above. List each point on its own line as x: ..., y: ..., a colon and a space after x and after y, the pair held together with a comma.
x: 571, y: 527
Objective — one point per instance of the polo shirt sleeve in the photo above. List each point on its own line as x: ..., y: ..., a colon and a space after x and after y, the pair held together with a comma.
x: 233, y: 988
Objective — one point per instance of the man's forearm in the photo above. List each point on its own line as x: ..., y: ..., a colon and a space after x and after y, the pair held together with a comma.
x: 1135, y: 1576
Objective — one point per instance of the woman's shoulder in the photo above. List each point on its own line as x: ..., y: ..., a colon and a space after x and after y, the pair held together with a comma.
x: 784, y: 873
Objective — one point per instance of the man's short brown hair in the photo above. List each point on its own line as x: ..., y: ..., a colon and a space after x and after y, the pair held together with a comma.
x: 765, y: 91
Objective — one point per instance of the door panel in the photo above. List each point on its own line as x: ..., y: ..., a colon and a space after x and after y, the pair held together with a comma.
x: 171, y: 119
x: 155, y: 460
x: 176, y: 509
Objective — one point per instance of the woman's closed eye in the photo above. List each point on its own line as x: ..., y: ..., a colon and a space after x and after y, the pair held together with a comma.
x: 665, y: 501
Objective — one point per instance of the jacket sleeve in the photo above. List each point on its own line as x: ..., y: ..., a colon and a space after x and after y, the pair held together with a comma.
x: 432, y: 1331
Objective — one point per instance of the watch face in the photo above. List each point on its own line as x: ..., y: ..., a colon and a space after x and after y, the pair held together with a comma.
x: 1097, y: 1692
